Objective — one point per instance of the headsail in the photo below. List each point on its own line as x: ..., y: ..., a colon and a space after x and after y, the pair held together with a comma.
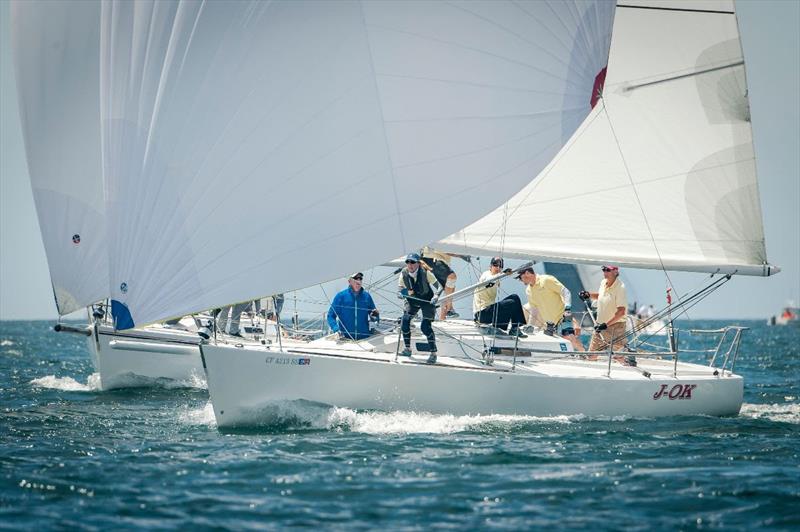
x: 56, y: 48
x: 252, y: 147
x: 662, y: 173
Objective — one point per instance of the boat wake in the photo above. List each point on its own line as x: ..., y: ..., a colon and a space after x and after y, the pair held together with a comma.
x: 68, y: 384
x: 306, y: 415
x: 130, y: 380
x: 784, y: 413
x: 405, y: 422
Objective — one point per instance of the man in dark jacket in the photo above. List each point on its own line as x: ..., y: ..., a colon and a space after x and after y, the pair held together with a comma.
x: 351, y: 310
x: 415, y: 286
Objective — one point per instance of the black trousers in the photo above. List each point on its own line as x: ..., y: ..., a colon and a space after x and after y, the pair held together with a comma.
x: 504, y: 312
x: 428, y: 312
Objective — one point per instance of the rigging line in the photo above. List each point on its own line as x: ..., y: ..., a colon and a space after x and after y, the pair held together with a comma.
x: 636, y: 193
x: 690, y: 300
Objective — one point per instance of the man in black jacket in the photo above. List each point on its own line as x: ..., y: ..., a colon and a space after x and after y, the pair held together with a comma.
x: 415, y: 286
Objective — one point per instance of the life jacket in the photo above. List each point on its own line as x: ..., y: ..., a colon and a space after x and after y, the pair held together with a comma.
x: 421, y: 288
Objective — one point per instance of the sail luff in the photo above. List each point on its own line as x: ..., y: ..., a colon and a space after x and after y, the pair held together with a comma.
x: 55, y: 47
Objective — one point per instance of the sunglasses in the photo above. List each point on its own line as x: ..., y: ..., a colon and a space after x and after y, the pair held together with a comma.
x: 411, y: 262
x: 358, y: 278
x: 607, y: 270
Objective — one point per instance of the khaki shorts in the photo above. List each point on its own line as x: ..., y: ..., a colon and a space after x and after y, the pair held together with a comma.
x: 601, y: 340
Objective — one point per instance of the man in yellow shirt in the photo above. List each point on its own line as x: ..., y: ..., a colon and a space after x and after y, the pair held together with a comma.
x: 612, y: 304
x: 548, y: 300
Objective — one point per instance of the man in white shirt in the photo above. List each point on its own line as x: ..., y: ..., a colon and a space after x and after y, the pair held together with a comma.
x: 502, y: 314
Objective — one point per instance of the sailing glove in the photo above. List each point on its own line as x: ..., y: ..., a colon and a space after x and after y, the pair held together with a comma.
x: 584, y: 295
x: 601, y: 327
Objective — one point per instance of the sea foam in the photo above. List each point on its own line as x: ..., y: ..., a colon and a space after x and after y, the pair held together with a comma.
x: 68, y: 384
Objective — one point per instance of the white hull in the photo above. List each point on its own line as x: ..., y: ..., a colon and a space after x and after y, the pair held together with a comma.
x: 151, y: 355
x: 245, y: 384
x: 144, y: 357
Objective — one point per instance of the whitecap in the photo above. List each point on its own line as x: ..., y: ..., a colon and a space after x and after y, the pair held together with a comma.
x: 786, y: 412
x: 5, y: 343
x: 68, y: 384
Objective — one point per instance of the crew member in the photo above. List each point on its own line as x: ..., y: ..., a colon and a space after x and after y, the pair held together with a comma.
x: 501, y: 314
x: 549, y: 301
x: 439, y: 264
x: 351, y: 310
x: 415, y: 287
x: 612, y: 304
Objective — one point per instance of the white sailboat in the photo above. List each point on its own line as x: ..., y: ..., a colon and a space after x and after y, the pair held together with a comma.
x: 666, y: 157
x: 375, y: 119
x: 57, y: 59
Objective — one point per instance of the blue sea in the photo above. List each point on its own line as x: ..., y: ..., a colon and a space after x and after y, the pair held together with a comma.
x: 72, y: 457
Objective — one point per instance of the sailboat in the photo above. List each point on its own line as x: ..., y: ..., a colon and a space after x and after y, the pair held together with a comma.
x: 57, y: 59
x: 362, y: 125
x: 666, y: 159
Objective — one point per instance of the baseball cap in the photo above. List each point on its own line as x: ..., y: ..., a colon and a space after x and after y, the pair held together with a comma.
x: 412, y: 257
x: 497, y: 261
x: 356, y: 275
x: 526, y: 270
x: 610, y: 268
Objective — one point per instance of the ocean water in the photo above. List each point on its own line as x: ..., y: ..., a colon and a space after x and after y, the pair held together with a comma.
x: 73, y: 457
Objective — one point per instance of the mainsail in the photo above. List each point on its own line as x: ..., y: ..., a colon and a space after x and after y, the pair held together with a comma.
x: 256, y: 147
x: 56, y: 48
x: 662, y: 174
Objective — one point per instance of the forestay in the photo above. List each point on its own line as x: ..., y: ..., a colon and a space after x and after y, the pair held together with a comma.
x: 57, y: 58
x: 662, y: 174
x: 256, y: 147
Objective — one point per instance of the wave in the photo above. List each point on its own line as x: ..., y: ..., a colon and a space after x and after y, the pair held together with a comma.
x: 6, y: 343
x: 781, y: 412
x: 68, y: 384
x: 199, y: 416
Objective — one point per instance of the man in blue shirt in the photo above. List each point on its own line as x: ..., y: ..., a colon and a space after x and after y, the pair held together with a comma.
x: 351, y: 310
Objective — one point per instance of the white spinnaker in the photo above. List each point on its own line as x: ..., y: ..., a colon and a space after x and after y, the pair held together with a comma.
x: 662, y: 173
x: 252, y: 148
x: 57, y: 61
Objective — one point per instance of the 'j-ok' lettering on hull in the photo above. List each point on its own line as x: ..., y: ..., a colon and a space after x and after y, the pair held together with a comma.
x: 677, y: 391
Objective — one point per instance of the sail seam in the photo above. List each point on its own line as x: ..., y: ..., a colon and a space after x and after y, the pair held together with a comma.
x: 383, y: 127
x: 472, y: 49
x: 518, y: 36
x: 658, y: 179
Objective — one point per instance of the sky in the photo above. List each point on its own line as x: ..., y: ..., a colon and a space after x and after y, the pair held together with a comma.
x: 770, y: 33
